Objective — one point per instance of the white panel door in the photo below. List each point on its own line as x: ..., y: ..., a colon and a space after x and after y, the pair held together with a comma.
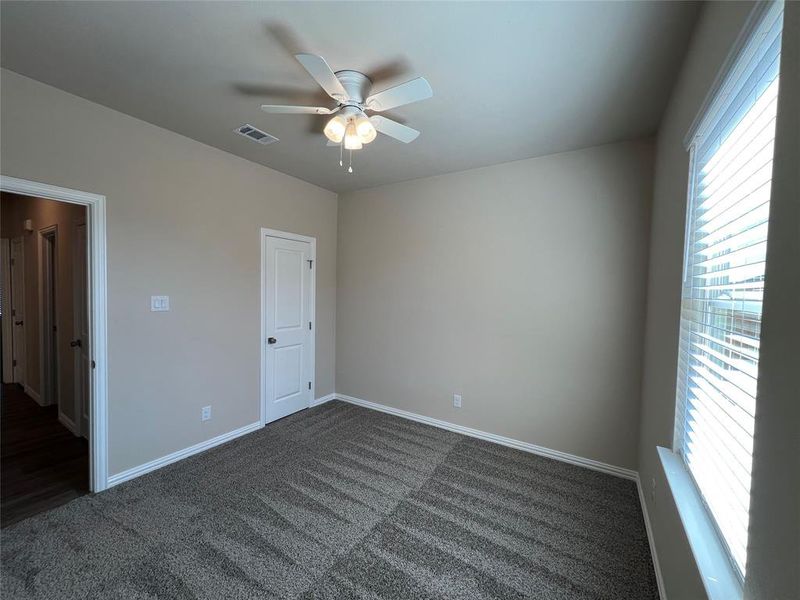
x: 287, y: 327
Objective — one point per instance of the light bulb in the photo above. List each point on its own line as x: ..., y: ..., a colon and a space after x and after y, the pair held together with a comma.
x: 365, y: 129
x: 335, y: 129
x: 351, y: 139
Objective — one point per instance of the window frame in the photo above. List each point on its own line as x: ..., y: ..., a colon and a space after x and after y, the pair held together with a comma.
x: 721, y: 575
x: 677, y: 437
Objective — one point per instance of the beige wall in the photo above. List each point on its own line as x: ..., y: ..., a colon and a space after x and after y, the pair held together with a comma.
x: 43, y: 214
x: 519, y: 286
x: 774, y: 509
x: 183, y: 220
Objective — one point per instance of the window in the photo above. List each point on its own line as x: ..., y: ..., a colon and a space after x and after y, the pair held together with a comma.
x: 726, y: 237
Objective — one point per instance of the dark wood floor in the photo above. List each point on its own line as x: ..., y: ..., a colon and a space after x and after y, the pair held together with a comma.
x: 42, y: 465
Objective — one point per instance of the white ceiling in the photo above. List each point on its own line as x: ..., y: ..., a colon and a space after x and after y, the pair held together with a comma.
x: 510, y: 80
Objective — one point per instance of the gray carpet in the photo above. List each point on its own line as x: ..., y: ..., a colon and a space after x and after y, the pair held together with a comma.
x: 342, y: 502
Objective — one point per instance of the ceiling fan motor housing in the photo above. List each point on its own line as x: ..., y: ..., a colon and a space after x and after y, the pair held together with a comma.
x: 356, y: 84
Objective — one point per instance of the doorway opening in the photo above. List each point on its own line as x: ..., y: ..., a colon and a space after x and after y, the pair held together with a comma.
x: 52, y: 309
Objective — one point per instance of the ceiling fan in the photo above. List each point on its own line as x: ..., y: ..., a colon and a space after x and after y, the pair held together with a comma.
x: 351, y: 128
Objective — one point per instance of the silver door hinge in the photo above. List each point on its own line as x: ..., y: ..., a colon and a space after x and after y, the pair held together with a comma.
x: 309, y: 325
x: 94, y: 365
x: 310, y: 263
x: 309, y: 385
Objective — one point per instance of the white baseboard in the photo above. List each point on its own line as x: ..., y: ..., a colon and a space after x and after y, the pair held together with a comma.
x: 497, y: 439
x: 29, y: 391
x: 322, y: 400
x: 180, y: 454
x: 68, y: 423
x: 651, y: 540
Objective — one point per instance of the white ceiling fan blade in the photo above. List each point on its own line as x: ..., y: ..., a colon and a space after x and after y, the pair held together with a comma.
x: 405, y: 93
x: 323, y: 75
x: 296, y: 110
x: 394, y: 129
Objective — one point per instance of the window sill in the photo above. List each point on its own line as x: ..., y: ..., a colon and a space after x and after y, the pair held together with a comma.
x: 719, y: 577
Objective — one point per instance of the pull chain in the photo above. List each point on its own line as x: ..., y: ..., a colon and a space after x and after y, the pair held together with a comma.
x: 341, y: 153
x: 350, y: 168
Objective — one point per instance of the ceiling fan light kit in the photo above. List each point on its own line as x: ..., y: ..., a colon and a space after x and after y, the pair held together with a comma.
x: 351, y: 128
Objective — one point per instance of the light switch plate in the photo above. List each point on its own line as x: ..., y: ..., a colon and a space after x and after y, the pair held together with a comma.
x: 159, y: 303
x: 457, y: 400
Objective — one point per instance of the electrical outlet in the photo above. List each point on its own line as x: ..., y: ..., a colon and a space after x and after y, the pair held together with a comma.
x: 205, y: 413
x: 456, y: 400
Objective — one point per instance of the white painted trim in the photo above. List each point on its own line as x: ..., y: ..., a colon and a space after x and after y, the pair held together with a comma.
x: 322, y: 400
x: 662, y: 592
x: 312, y: 241
x: 717, y: 570
x: 41, y: 234
x: 33, y: 394
x: 291, y: 236
x: 752, y: 21
x: 153, y: 465
x: 497, y: 439
x: 96, y: 219
x: 68, y: 423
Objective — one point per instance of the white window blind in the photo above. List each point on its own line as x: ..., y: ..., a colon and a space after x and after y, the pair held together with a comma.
x: 723, y: 283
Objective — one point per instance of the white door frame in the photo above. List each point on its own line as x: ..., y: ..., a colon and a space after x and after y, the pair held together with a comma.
x: 98, y: 380
x: 80, y: 306
x: 265, y: 233
x: 46, y: 361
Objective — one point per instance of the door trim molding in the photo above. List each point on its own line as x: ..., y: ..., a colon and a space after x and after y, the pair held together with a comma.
x: 312, y: 241
x: 96, y: 220
x: 41, y: 235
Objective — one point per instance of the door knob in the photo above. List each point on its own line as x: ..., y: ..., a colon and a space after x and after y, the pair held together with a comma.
x: 75, y: 343
x: 18, y: 322
x: 271, y: 340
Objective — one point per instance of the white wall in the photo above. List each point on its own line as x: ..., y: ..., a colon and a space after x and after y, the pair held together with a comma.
x: 183, y: 220
x: 519, y: 286
x: 773, y: 558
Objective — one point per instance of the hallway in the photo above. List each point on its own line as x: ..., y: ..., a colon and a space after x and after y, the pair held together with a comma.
x: 42, y: 464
